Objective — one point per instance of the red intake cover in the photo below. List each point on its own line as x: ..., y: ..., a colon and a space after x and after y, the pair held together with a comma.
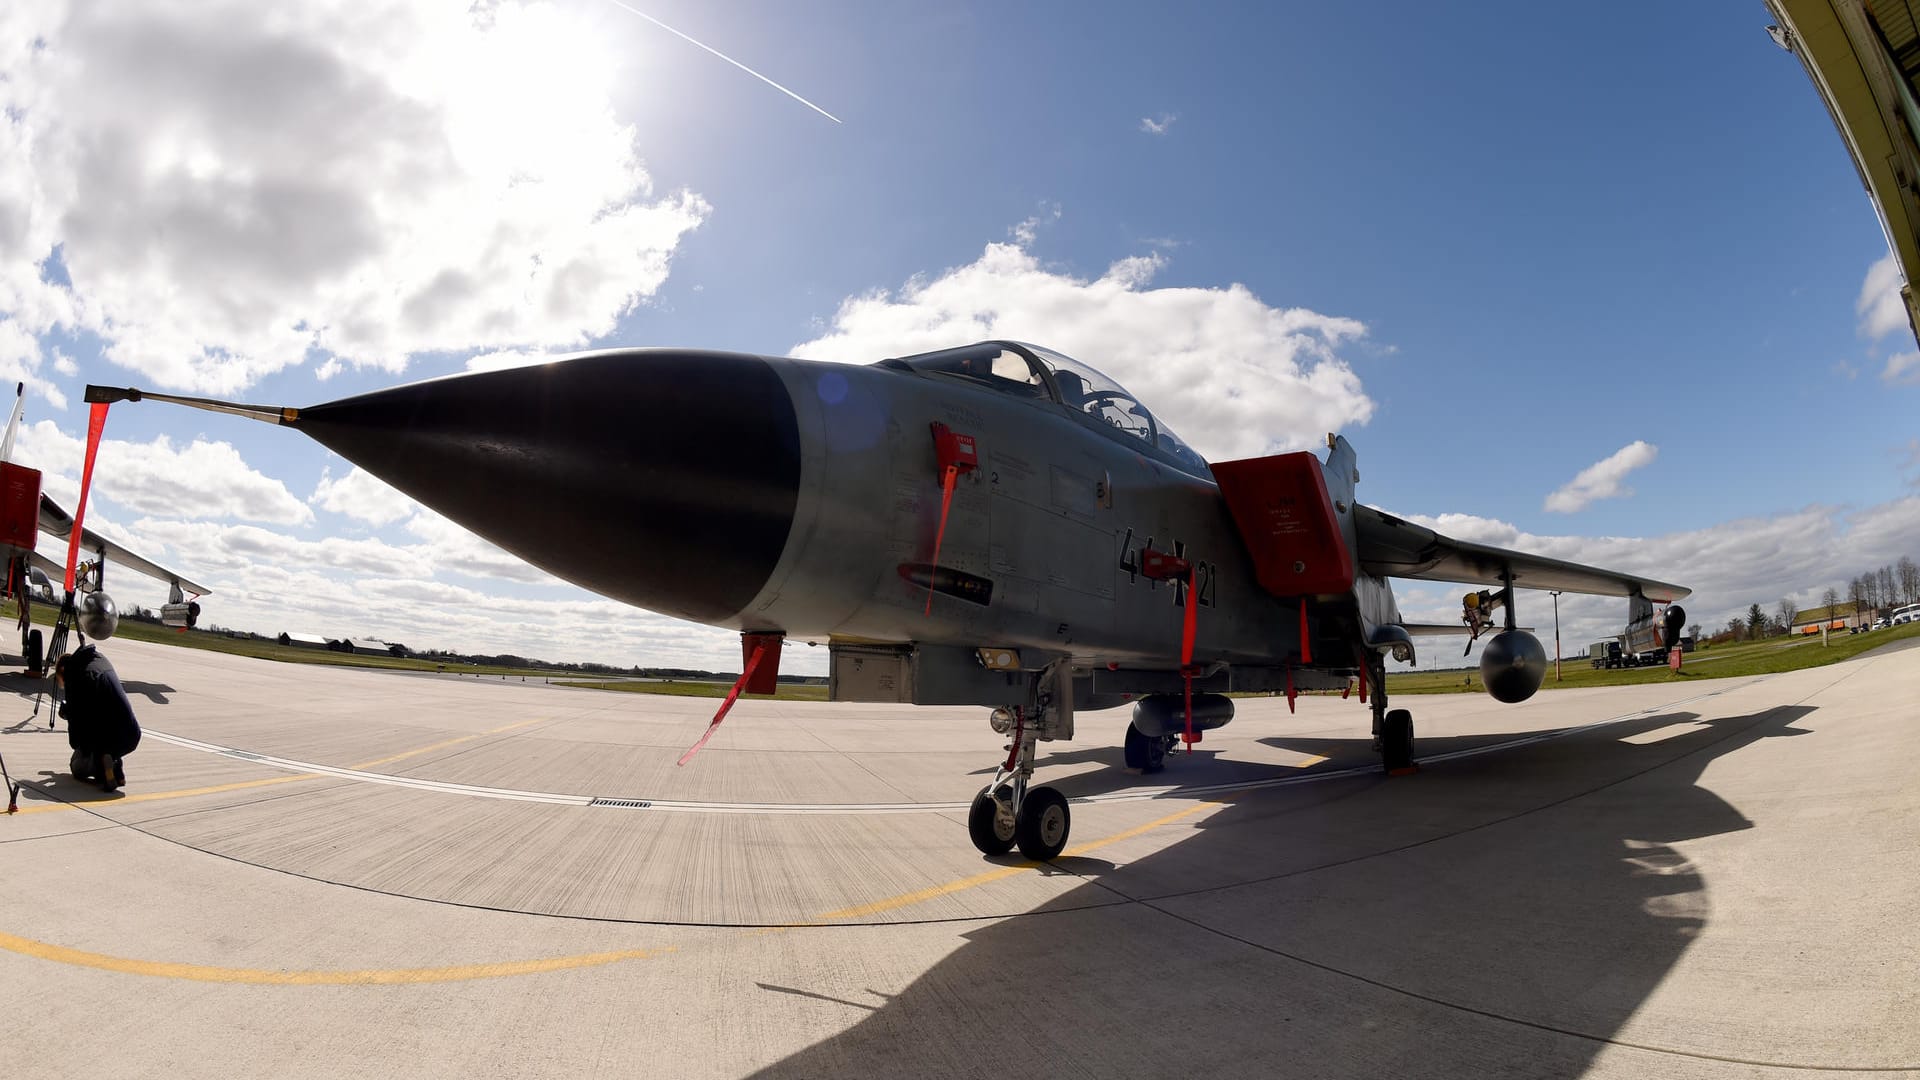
x: 1281, y: 507
x: 954, y: 450
x: 19, y: 506
x: 1160, y: 566
x: 766, y: 677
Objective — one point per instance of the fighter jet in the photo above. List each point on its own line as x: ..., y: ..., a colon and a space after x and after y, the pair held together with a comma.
x: 25, y: 512
x: 995, y: 525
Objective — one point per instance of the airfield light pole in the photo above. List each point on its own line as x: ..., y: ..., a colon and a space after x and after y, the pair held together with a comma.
x: 1556, y: 635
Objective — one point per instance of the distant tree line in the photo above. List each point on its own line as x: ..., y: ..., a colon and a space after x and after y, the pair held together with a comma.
x: 511, y: 660
x: 1890, y: 586
x: 1893, y: 585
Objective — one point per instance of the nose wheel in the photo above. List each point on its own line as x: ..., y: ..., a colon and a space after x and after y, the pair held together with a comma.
x: 1039, y: 827
x: 1042, y: 824
x: 1008, y: 814
x: 990, y: 821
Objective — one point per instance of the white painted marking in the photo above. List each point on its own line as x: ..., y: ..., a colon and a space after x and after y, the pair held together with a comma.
x: 691, y: 807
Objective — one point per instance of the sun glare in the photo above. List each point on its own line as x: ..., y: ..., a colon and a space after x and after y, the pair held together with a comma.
x: 526, y: 94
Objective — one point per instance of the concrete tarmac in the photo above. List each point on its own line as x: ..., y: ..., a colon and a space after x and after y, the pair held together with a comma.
x: 324, y: 872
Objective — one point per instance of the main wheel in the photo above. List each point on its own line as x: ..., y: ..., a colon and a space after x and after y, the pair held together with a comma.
x: 1396, y: 740
x: 1043, y: 825
x: 36, y: 651
x: 1148, y: 753
x: 990, y: 823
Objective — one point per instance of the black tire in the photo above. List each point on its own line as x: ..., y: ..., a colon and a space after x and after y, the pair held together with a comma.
x: 36, y: 650
x: 1396, y: 740
x: 983, y: 825
x: 1044, y: 824
x: 1147, y: 753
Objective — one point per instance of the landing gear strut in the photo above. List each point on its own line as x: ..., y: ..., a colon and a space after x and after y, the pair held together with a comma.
x: 1007, y: 812
x: 1392, y: 729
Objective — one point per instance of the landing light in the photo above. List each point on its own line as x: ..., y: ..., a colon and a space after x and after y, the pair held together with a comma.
x: 1000, y: 659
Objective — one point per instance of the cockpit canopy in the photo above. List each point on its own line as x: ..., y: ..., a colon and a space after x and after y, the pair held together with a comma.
x: 1030, y: 371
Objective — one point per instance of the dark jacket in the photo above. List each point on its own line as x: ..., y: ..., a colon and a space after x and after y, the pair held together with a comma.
x: 99, y: 716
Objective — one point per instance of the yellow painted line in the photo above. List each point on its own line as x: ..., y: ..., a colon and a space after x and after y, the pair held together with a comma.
x: 443, y: 745
x: 1004, y: 872
x: 504, y: 969
x: 187, y: 793
x: 268, y: 977
x: 1310, y: 762
x: 155, y: 796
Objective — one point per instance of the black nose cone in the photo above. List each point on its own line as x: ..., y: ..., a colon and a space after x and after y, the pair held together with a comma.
x: 665, y: 479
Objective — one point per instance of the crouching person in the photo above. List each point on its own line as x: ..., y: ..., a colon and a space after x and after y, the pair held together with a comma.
x: 100, y: 723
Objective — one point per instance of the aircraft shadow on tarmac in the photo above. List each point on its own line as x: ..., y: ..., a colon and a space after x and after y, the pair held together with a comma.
x: 26, y: 687
x: 1503, y: 914
x: 39, y: 691
x: 1113, y: 776
x: 1205, y: 766
x: 14, y: 682
x: 154, y: 692
x: 1348, y: 752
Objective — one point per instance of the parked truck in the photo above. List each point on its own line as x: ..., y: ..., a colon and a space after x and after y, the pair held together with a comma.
x: 1606, y: 654
x: 1613, y: 654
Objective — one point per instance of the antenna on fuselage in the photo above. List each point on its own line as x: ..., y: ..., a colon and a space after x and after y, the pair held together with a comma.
x: 13, y: 423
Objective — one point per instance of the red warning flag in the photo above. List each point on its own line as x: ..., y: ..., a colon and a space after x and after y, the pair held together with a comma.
x: 1187, y: 627
x: 95, y: 425
x: 954, y: 454
x: 1306, y: 640
x: 759, y: 650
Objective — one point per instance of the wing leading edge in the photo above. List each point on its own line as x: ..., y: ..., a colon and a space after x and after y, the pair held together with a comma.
x: 57, y: 522
x: 1393, y: 547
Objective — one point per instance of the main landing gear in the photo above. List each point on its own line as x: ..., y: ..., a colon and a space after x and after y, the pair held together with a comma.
x: 1148, y: 753
x: 1392, y: 729
x: 1007, y: 812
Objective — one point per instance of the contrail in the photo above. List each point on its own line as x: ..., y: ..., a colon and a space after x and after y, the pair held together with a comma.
x: 728, y: 59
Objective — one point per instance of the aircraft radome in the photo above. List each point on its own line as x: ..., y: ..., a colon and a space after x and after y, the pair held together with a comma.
x: 995, y: 524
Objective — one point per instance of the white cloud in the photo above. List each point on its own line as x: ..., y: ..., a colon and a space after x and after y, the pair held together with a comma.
x: 452, y: 547
x: 1157, y: 125
x: 20, y: 361
x: 1602, y: 479
x: 1903, y: 369
x: 230, y: 186
x: 1025, y: 232
x: 1233, y: 375
x: 1879, y: 307
x: 363, y: 496
x: 269, y: 583
x: 217, y: 549
x: 205, y: 479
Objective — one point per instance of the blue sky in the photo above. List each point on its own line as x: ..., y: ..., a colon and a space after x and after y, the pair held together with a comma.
x: 1563, y: 231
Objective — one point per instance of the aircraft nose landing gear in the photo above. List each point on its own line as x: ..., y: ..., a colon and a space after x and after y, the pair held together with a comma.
x: 1007, y: 812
